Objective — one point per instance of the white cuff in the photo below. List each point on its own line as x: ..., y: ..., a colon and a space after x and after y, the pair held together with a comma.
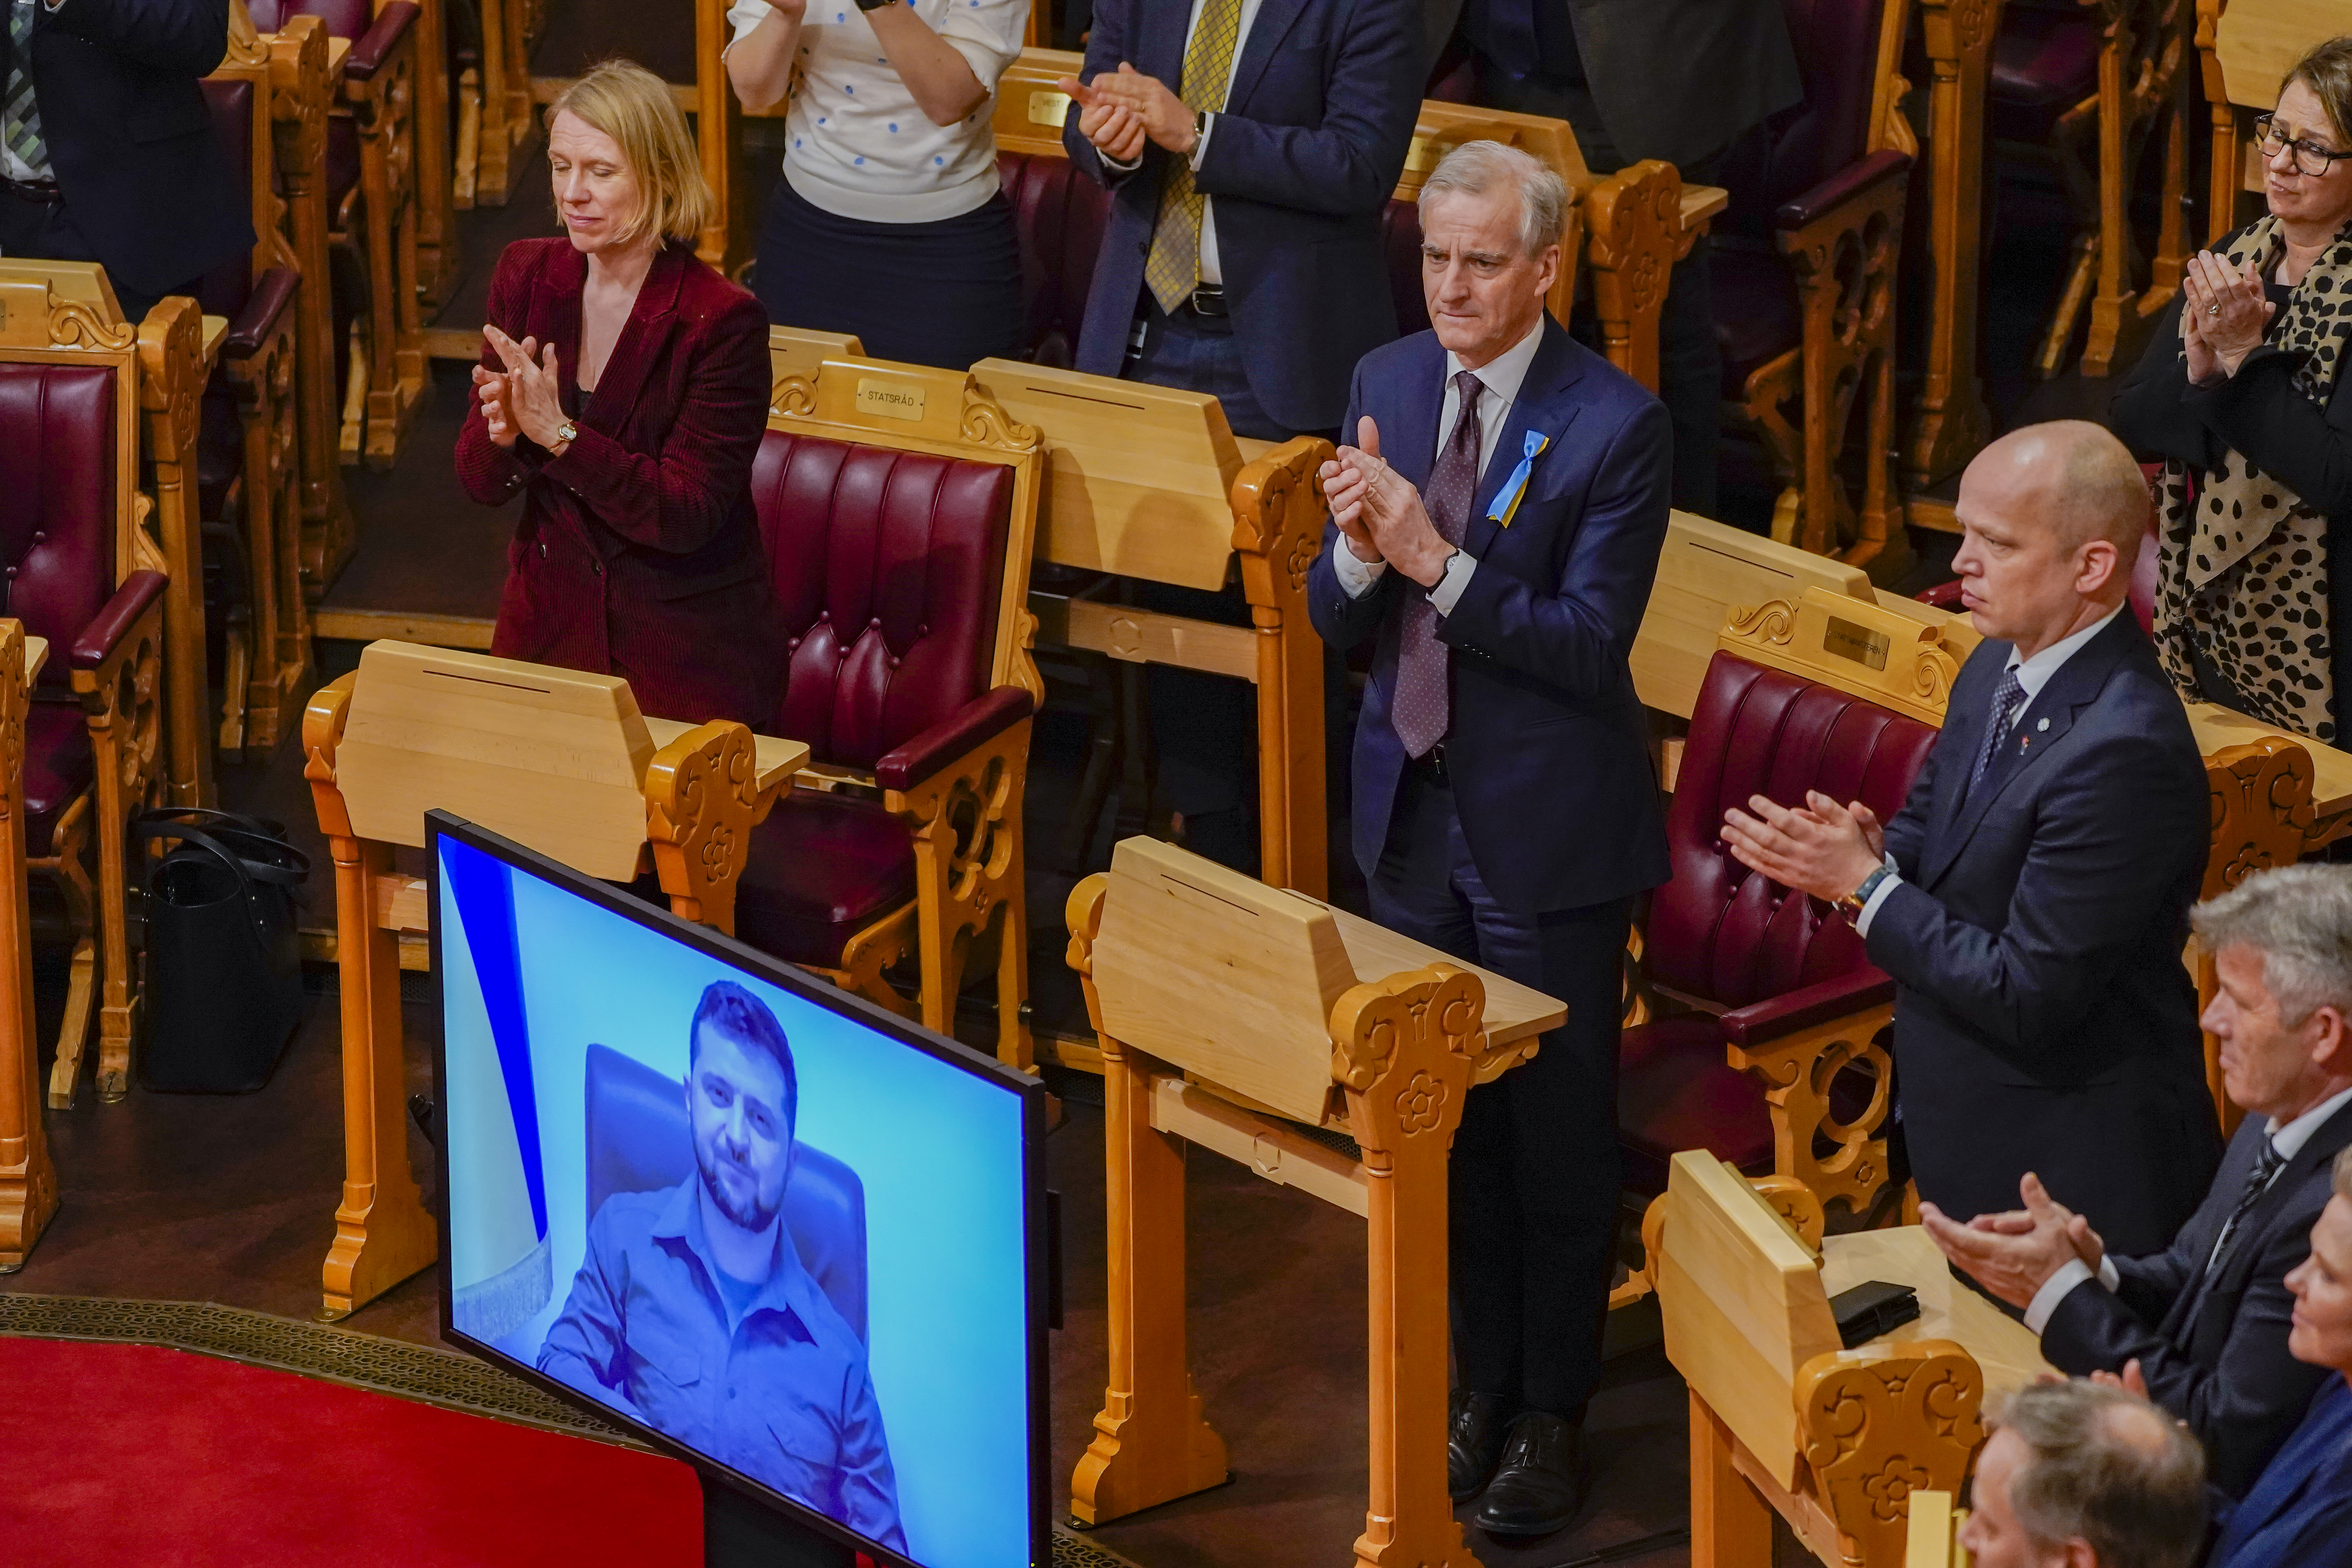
x: 1448, y: 591
x: 1201, y: 143
x: 1355, y: 574
x: 2055, y: 1289
x: 1878, y: 896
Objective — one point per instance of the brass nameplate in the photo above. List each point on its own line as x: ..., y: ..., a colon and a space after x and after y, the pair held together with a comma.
x: 1425, y: 153
x: 1858, y: 643
x: 1049, y: 109
x: 898, y: 400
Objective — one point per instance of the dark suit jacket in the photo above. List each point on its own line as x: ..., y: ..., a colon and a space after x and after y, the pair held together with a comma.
x: 2299, y: 1514
x: 1672, y: 78
x: 2042, y: 1019
x: 1301, y: 162
x: 639, y: 549
x: 1549, y: 749
x: 130, y: 138
x: 2216, y: 1358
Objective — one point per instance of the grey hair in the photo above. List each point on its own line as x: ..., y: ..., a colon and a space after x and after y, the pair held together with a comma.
x: 1473, y: 169
x: 2339, y: 1174
x: 2299, y: 918
x: 2105, y: 1466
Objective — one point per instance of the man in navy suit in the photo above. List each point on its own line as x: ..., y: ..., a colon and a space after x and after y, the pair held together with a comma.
x: 2032, y: 897
x: 107, y: 151
x: 1251, y: 145
x: 1494, y: 533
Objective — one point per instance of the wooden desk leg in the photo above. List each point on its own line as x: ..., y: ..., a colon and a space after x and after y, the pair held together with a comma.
x: 1731, y: 1526
x: 1951, y: 421
x: 1150, y: 1443
x: 382, y: 1232
x: 1278, y: 512
x: 28, y: 1181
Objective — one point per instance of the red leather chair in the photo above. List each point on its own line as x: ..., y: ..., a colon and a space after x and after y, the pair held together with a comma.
x: 91, y: 735
x: 1804, y: 276
x: 1780, y: 1000
x: 1059, y: 214
x: 891, y: 570
x: 249, y: 474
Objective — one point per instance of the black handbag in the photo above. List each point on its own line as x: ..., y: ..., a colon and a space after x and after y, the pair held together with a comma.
x: 224, y: 951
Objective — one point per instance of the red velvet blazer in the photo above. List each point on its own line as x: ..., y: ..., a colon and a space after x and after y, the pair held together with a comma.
x: 638, y: 553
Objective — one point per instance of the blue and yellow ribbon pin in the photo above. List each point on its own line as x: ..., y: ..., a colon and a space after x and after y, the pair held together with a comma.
x: 1506, y: 499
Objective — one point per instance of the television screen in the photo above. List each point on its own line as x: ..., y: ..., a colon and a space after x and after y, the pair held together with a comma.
x: 755, y: 1218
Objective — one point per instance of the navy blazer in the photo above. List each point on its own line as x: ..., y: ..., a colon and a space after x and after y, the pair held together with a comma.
x: 2042, y: 1019
x: 2300, y: 1512
x: 2216, y: 1356
x: 1301, y: 161
x: 130, y: 141
x: 1549, y: 747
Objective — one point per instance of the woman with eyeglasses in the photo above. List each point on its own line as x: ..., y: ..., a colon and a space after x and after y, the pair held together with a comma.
x: 2240, y: 395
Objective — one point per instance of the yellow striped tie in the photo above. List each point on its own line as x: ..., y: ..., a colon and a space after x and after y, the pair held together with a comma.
x: 1173, y: 268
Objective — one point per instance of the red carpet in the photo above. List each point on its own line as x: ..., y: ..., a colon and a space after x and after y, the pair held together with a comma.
x: 133, y: 1455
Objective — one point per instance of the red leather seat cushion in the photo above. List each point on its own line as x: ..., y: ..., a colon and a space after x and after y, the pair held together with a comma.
x: 1059, y: 214
x: 59, y: 765
x: 1676, y: 1091
x: 56, y: 500
x: 821, y: 868
x: 1756, y: 317
x: 2046, y: 59
x: 887, y: 566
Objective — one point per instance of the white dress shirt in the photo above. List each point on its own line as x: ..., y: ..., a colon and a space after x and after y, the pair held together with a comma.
x: 2033, y: 674
x: 2288, y: 1141
x: 1212, y: 270
x: 1499, y: 380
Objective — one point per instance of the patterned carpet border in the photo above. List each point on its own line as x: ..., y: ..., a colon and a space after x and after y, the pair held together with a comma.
x: 449, y: 1379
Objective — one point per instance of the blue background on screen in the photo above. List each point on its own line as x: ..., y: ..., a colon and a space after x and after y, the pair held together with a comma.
x: 938, y: 1150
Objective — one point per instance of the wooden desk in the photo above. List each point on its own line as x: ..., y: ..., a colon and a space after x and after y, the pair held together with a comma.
x: 1230, y: 1014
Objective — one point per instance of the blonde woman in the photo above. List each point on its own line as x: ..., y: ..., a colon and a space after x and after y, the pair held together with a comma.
x: 622, y: 393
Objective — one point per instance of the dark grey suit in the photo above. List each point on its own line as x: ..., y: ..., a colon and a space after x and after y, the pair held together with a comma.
x: 2215, y: 1356
x: 2042, y: 1019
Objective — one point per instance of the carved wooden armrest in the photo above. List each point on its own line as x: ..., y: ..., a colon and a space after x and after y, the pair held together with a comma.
x: 702, y: 800
x: 1878, y: 1424
x: 1083, y: 912
x: 116, y: 659
x: 1634, y: 220
x: 1796, y: 1045
x: 964, y: 807
x: 1860, y: 203
x: 1278, y: 512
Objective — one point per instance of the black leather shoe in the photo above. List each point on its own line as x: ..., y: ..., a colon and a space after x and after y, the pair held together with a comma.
x: 1473, y: 1441
x: 1540, y: 1486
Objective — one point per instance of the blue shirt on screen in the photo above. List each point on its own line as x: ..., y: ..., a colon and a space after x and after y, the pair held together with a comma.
x: 782, y: 1395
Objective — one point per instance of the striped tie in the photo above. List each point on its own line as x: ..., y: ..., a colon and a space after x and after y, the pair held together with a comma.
x: 20, y: 115
x: 1173, y: 268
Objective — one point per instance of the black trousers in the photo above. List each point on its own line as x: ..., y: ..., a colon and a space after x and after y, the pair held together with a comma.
x: 46, y: 231
x: 1532, y: 1210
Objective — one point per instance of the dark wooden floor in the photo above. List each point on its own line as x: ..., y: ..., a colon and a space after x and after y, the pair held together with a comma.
x: 230, y: 1199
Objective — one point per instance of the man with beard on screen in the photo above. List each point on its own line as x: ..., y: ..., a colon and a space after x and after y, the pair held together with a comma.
x: 692, y: 1311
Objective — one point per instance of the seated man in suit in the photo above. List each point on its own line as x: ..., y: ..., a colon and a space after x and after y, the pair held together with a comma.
x: 1252, y: 146
x: 1495, y: 534
x: 694, y: 1295
x: 107, y: 151
x: 2075, y: 1475
x: 2032, y: 897
x: 2300, y: 1511
x: 2205, y: 1319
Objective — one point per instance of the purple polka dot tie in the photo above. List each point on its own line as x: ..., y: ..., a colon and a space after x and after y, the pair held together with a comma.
x: 1422, y: 708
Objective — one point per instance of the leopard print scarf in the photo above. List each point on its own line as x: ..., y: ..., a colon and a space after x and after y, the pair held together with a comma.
x: 2243, y: 571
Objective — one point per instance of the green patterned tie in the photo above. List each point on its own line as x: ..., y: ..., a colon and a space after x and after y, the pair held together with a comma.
x: 1173, y: 268
x: 20, y: 116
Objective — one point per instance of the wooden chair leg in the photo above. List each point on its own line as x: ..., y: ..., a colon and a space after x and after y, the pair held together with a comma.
x: 382, y: 1231
x: 1151, y: 1443
x: 68, y: 872
x: 1731, y: 1525
x: 28, y: 1179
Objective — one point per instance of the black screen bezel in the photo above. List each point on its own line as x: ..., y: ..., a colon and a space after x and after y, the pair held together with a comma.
x: 784, y: 977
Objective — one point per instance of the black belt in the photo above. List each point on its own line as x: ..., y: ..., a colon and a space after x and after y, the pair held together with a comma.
x: 1209, y: 300
x: 1431, y: 766
x: 48, y: 192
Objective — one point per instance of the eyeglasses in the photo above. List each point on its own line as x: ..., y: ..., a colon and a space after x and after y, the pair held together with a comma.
x: 2310, y: 157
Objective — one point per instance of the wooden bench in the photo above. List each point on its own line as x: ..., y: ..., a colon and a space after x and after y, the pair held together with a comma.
x: 1260, y: 1023
x: 1783, y: 1419
x: 561, y: 762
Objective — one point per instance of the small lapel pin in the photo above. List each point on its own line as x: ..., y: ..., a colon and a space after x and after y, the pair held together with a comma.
x: 2044, y: 724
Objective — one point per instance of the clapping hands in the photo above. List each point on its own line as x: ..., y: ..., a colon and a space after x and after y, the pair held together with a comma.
x: 1120, y: 111
x: 1379, y: 512
x: 2223, y: 314
x: 2013, y: 1254
x: 525, y: 397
